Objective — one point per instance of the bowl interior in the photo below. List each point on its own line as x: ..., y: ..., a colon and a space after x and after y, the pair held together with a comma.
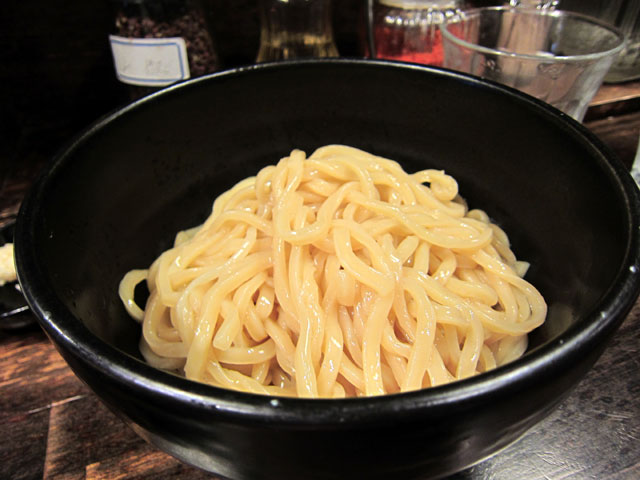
x: 115, y: 199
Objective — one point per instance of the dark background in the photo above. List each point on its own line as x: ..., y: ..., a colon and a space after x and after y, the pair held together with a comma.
x: 57, y: 75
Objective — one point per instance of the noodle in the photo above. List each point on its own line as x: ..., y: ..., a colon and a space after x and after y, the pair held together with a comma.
x: 336, y: 275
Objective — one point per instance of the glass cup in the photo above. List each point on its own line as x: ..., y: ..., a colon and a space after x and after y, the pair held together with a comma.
x: 557, y: 56
x: 623, y: 14
x: 627, y: 66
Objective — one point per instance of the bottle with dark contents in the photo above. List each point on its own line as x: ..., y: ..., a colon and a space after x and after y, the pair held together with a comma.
x: 156, y: 43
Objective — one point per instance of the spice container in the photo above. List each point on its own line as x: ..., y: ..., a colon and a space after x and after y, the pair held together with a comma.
x: 295, y: 29
x: 408, y: 30
x: 156, y: 43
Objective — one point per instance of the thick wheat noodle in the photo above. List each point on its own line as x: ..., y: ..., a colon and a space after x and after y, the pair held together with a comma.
x: 336, y: 275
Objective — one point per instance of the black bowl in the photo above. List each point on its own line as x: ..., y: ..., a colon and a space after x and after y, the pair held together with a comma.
x: 114, y: 198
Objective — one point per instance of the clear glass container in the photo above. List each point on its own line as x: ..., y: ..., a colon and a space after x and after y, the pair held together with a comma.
x: 622, y: 14
x: 627, y: 65
x: 559, y: 57
x: 295, y: 29
x: 156, y: 43
x: 408, y: 30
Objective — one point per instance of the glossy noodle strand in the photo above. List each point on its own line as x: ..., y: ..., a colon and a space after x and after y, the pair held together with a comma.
x: 336, y: 275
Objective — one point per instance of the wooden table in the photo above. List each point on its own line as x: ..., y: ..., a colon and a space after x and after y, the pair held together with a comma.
x: 53, y: 427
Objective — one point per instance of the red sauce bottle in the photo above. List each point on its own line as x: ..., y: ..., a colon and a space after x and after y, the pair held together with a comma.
x: 408, y: 30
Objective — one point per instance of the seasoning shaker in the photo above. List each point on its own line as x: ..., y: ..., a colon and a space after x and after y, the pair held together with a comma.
x: 408, y: 30
x: 156, y: 43
x: 295, y: 29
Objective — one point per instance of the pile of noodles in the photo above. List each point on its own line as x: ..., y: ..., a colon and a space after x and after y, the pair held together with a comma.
x: 336, y: 275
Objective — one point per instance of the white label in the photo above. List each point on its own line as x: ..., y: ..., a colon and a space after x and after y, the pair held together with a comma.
x: 150, y: 61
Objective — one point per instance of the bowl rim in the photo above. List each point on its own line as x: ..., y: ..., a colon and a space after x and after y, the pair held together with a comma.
x: 476, y: 12
x: 71, y: 336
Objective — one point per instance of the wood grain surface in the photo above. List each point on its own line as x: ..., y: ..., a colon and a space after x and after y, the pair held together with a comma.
x: 53, y: 427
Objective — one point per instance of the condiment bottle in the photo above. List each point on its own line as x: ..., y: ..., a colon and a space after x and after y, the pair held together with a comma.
x: 408, y: 30
x: 295, y: 29
x: 156, y: 43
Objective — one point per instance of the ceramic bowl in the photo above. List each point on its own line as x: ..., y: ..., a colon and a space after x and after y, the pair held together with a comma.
x: 113, y: 199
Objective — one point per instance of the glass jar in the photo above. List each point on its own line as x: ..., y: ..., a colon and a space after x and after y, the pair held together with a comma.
x: 295, y: 29
x: 408, y: 30
x: 156, y: 43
